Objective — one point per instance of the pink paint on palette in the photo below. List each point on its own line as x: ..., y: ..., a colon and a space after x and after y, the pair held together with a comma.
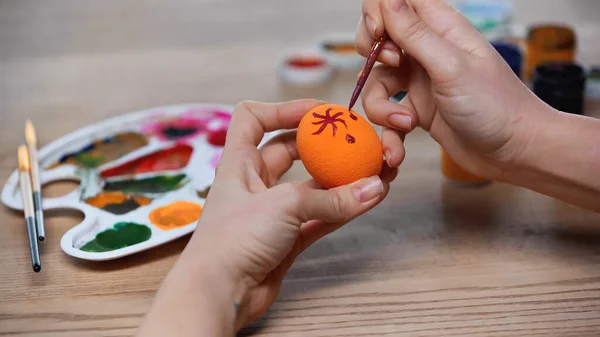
x: 189, y: 125
x: 214, y: 161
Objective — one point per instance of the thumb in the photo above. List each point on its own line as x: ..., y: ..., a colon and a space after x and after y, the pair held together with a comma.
x: 339, y: 204
x: 440, y: 58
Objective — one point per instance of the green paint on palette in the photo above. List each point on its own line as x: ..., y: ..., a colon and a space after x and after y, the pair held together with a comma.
x: 122, y: 208
x: 160, y: 184
x: 123, y: 234
x: 89, y: 159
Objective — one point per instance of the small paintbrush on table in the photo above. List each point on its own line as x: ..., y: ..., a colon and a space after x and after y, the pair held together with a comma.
x: 25, y: 183
x: 362, y: 79
x: 31, y: 141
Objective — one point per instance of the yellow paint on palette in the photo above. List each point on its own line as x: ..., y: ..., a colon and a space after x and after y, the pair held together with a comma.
x: 175, y: 215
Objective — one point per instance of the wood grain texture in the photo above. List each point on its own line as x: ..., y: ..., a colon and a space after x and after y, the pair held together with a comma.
x: 434, y: 259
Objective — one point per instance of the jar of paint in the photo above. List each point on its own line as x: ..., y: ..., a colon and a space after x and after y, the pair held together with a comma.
x: 456, y: 173
x: 511, y: 53
x: 549, y: 43
x: 340, y: 51
x: 304, y: 68
x: 492, y: 18
x: 561, y: 85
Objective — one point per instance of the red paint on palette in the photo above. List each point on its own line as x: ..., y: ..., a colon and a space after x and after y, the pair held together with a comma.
x: 217, y: 137
x: 173, y: 158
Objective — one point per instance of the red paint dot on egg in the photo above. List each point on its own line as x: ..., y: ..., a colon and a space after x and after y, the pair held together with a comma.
x: 217, y: 137
x: 350, y: 139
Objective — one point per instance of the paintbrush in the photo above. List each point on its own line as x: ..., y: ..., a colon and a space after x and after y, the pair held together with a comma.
x: 24, y: 168
x: 31, y: 140
x: 362, y: 79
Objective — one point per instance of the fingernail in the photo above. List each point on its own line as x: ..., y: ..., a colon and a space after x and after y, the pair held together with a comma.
x: 400, y: 121
x: 371, y: 25
x: 388, y: 157
x: 397, y: 5
x: 391, y: 57
x: 368, y: 189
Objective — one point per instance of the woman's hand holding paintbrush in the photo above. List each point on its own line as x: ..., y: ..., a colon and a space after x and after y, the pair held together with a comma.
x: 452, y: 76
x: 466, y: 96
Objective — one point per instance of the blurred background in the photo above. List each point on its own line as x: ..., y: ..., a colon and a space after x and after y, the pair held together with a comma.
x: 83, y: 61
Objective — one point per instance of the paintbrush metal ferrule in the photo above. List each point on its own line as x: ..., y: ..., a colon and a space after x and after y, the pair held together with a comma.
x: 26, y: 192
x: 364, y: 75
x: 31, y: 139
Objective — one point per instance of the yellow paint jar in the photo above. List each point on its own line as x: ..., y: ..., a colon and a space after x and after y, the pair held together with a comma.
x: 549, y: 43
x: 456, y: 173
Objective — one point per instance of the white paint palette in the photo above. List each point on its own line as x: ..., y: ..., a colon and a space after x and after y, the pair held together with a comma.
x: 143, y: 177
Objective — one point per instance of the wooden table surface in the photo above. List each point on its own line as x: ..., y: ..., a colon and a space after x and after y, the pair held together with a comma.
x: 433, y: 259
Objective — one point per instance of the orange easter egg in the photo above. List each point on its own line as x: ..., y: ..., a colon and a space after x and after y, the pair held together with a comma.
x: 338, y: 146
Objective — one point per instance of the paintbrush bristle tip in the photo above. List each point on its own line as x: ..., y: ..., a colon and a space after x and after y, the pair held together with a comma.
x: 23, y: 156
x: 30, y: 133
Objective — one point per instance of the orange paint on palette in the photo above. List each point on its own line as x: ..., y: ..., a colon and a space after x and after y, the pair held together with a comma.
x: 173, y: 158
x: 103, y: 199
x: 175, y: 215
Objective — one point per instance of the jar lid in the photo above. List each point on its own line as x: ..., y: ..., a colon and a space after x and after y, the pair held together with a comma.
x: 565, y: 75
x: 551, y: 37
x: 561, y: 85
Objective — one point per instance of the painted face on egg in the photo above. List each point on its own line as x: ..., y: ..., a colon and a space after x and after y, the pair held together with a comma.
x: 332, y: 121
x: 338, y: 146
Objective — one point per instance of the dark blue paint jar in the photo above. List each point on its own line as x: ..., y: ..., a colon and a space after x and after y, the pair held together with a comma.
x: 512, y: 55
